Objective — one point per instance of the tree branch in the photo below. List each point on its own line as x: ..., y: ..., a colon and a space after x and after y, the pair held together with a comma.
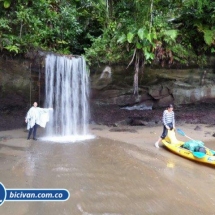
x: 132, y: 59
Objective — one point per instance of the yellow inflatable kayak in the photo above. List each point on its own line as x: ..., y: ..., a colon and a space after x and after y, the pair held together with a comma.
x: 175, y: 146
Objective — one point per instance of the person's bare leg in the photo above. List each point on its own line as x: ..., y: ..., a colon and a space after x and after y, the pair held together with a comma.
x: 157, y: 143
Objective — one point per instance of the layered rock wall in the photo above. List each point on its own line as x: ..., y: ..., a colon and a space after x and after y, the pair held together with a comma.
x: 19, y: 84
x: 22, y: 83
x: 157, y: 87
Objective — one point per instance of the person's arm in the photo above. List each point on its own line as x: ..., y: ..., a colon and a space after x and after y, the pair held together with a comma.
x: 164, y: 119
x: 45, y: 110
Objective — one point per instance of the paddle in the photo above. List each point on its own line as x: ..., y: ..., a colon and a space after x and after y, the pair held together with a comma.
x: 182, y: 133
x: 196, y: 154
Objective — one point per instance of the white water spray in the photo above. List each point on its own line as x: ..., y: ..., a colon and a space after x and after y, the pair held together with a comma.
x: 67, y: 91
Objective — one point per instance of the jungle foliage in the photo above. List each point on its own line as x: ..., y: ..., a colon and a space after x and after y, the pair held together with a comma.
x: 138, y: 32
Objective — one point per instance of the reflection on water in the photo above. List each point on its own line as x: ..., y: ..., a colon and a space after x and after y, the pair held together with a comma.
x: 107, y: 177
x: 169, y: 171
x: 170, y: 164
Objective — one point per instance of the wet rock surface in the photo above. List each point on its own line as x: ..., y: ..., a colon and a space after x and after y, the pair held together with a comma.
x: 113, y: 115
x: 12, y: 119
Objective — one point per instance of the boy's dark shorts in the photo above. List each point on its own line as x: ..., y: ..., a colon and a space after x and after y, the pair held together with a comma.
x: 165, y: 130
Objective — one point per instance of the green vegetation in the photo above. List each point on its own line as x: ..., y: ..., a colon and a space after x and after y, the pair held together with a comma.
x: 138, y: 32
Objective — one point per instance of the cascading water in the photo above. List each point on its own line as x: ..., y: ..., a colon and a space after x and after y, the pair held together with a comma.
x: 67, y: 91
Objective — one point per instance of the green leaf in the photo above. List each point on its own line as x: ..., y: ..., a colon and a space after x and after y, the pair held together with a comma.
x: 154, y: 35
x: 148, y: 36
x: 130, y: 37
x: 12, y: 48
x: 139, y: 46
x: 141, y: 33
x: 209, y: 36
x: 148, y: 55
x: 7, y: 3
x: 171, y: 33
x: 122, y: 39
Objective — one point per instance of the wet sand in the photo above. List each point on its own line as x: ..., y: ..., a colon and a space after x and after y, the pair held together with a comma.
x: 119, y: 172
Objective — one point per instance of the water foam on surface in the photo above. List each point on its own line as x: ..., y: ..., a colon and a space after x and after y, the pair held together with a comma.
x: 67, y: 139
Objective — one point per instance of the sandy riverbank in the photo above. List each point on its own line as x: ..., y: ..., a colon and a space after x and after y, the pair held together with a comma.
x: 137, y: 135
x: 146, y: 136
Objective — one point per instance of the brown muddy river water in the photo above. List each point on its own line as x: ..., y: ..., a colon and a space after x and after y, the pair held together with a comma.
x: 106, y: 177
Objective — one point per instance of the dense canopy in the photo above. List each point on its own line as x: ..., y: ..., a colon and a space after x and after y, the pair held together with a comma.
x: 111, y: 31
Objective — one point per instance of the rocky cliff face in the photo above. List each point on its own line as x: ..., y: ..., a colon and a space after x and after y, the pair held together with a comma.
x: 14, y: 84
x: 22, y: 83
x: 157, y: 87
x: 19, y: 84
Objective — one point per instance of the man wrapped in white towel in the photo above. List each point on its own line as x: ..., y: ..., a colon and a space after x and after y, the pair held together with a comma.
x: 36, y: 116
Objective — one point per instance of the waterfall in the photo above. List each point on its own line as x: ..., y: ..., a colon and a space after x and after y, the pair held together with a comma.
x: 67, y: 91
